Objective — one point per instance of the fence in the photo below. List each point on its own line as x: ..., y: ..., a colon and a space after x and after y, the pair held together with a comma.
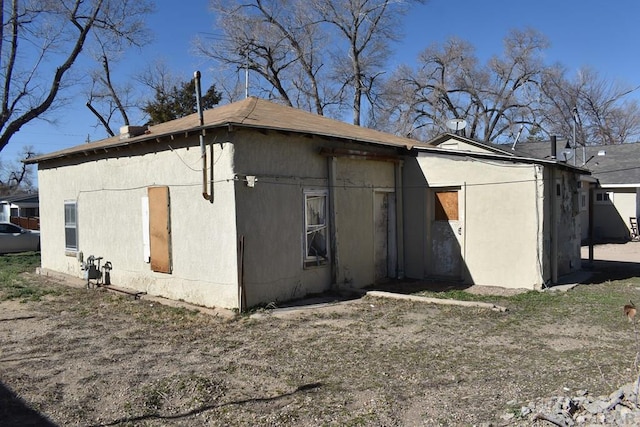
x: 31, y: 223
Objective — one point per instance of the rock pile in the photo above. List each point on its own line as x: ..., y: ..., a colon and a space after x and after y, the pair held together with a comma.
x: 620, y: 408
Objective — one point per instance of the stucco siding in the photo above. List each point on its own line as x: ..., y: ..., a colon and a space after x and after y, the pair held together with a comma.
x: 109, y: 193
x: 501, y: 222
x: 568, y: 222
x: 455, y: 144
x: 415, y: 219
x: 270, y: 215
x: 624, y: 200
x: 356, y: 183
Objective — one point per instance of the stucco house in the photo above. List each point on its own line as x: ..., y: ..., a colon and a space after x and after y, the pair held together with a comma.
x: 259, y: 202
x: 614, y: 170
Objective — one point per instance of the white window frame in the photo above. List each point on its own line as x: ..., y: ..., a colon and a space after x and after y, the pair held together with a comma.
x: 68, y: 225
x: 321, y: 229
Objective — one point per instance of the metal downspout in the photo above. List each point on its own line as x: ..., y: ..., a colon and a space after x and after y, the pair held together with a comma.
x: 203, y: 150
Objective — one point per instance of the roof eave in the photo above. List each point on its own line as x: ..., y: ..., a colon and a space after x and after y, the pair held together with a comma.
x: 231, y: 125
x: 511, y: 158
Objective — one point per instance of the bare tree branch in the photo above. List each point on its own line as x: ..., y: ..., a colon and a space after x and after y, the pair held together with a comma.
x: 55, y: 30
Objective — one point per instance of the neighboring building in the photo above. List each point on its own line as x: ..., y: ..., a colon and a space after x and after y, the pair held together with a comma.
x: 296, y: 204
x: 23, y: 209
x: 615, y: 170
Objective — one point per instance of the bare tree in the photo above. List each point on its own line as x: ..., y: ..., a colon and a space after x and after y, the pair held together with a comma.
x: 449, y: 83
x: 595, y: 108
x: 310, y: 55
x: 367, y: 28
x: 278, y: 41
x: 106, y: 99
x: 16, y: 177
x: 54, y: 32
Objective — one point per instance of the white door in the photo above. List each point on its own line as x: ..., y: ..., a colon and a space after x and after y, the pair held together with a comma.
x: 447, y: 234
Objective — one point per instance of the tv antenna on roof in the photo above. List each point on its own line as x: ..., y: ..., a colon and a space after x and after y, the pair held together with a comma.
x: 456, y: 124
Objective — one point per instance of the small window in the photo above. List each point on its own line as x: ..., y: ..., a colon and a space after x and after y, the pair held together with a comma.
x: 70, y: 226
x: 604, y: 197
x: 584, y: 199
x: 316, y: 242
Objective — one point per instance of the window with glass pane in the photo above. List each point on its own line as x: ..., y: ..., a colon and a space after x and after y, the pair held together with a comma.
x: 316, y: 242
x: 70, y: 227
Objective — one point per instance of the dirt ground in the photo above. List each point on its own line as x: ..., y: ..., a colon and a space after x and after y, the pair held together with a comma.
x: 83, y: 357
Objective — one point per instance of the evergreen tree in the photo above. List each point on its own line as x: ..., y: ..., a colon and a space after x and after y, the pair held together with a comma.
x: 178, y: 101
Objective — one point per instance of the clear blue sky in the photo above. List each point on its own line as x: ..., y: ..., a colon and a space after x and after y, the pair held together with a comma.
x: 601, y: 34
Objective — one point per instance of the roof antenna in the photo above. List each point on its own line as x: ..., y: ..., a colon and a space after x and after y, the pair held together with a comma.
x: 513, y: 147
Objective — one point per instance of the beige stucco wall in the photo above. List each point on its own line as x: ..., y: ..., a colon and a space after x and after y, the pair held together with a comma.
x: 503, y: 218
x: 625, y: 200
x: 270, y: 215
x: 611, y: 218
x: 357, y: 181
x: 109, y: 194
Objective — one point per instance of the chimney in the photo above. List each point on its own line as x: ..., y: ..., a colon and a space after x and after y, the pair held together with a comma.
x: 132, y: 131
x: 554, y: 148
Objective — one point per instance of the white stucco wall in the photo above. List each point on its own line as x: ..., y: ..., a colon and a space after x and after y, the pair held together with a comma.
x: 503, y: 218
x: 108, y: 192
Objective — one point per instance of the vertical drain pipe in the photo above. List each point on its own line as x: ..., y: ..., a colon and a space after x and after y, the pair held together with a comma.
x: 203, y: 150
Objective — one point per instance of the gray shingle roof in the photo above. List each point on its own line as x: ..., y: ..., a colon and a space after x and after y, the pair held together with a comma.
x: 620, y: 163
x: 506, y: 151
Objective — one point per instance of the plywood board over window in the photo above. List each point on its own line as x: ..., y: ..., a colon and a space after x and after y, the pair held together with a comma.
x: 159, y: 229
x: 446, y: 206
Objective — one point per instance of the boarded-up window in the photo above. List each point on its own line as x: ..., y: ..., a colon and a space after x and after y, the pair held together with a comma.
x: 159, y: 229
x: 446, y: 205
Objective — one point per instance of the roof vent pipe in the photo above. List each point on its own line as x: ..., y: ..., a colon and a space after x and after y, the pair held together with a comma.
x: 203, y: 150
x: 554, y: 148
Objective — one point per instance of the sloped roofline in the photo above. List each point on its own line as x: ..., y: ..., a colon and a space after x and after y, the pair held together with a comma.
x: 17, y: 198
x: 447, y: 136
x: 498, y: 153
x: 249, y: 113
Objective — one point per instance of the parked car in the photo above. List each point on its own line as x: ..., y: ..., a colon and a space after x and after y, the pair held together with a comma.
x: 18, y: 239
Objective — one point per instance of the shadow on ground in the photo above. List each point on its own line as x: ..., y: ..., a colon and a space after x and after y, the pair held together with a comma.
x: 604, y: 271
x: 592, y: 273
x: 15, y: 412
